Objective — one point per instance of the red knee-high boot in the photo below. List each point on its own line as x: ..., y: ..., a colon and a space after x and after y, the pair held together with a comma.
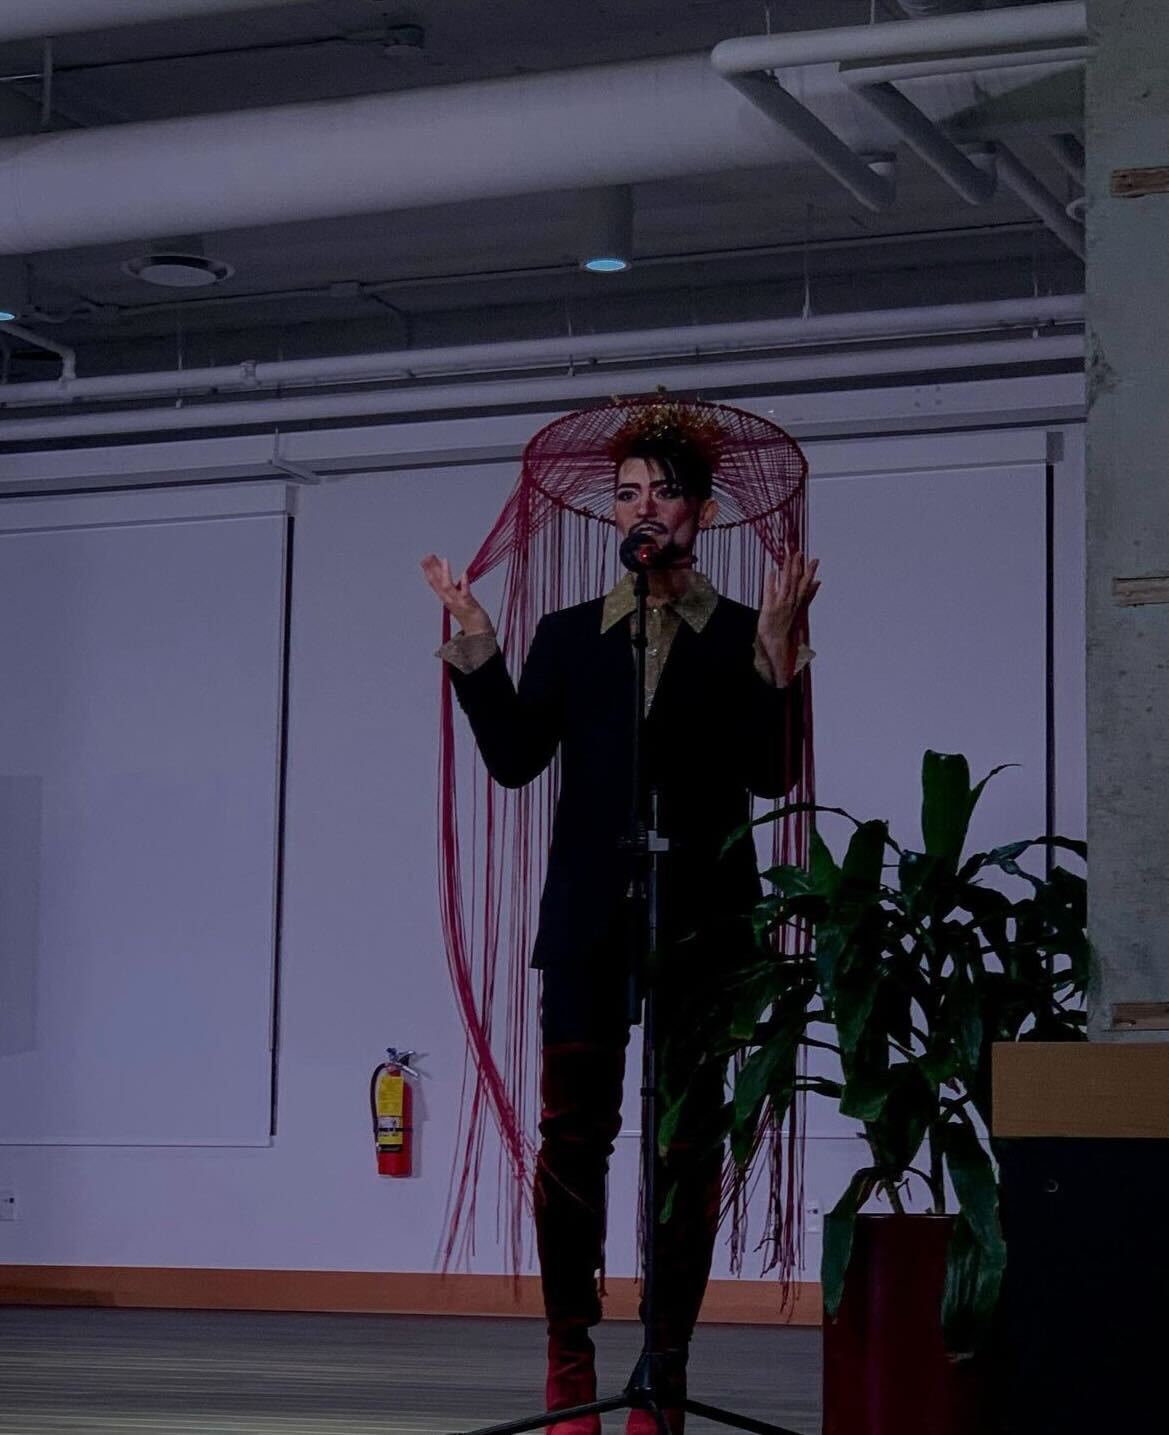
x: 580, y: 1117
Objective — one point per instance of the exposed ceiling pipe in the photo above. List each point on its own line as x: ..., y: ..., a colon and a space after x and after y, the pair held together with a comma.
x: 685, y: 258
x: 1070, y: 153
x: 979, y: 36
x: 67, y: 355
x: 566, y: 388
x: 864, y: 72
x: 972, y: 180
x: 1037, y: 197
x: 869, y: 57
x: 975, y: 176
x: 871, y: 181
x: 705, y: 340
x: 36, y: 19
x: 575, y: 129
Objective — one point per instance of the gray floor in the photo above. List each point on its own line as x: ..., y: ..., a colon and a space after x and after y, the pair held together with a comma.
x: 70, y: 1372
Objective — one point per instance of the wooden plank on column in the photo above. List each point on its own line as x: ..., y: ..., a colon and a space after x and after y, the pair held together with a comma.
x: 1082, y: 1089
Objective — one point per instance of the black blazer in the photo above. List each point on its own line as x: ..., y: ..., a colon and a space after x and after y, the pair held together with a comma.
x: 716, y: 732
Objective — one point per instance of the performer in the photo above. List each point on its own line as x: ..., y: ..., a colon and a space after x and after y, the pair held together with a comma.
x: 723, y: 720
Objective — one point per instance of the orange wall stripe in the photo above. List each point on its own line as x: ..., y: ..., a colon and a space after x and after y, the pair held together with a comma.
x: 397, y: 1293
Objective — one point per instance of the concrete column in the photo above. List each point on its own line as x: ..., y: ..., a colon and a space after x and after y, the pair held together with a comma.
x: 1128, y: 507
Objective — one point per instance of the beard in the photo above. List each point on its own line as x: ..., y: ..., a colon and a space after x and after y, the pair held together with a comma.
x: 665, y: 552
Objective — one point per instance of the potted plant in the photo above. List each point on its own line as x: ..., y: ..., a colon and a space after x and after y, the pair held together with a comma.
x: 915, y: 968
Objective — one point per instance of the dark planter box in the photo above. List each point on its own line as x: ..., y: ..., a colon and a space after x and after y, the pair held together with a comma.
x: 886, y: 1371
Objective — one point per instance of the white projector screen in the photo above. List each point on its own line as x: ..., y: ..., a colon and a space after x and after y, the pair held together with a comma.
x: 140, y: 743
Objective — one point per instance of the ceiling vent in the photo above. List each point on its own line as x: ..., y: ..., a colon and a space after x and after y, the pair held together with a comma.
x: 173, y: 269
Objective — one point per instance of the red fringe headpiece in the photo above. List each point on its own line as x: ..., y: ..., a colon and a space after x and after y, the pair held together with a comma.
x: 555, y: 540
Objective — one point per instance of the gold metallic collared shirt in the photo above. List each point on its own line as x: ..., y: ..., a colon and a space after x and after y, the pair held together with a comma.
x: 693, y: 607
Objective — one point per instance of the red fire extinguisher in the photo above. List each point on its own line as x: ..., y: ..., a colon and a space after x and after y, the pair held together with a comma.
x: 391, y: 1105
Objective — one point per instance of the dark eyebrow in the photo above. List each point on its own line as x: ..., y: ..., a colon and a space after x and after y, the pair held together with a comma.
x: 671, y: 483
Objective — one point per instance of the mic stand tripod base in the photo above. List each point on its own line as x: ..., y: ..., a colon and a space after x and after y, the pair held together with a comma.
x: 632, y: 1398
x: 637, y: 1395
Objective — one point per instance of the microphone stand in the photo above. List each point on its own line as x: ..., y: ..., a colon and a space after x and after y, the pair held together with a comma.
x: 646, y: 1388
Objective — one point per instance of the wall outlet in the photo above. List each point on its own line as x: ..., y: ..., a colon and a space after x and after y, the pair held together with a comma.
x: 813, y: 1216
x: 7, y: 1205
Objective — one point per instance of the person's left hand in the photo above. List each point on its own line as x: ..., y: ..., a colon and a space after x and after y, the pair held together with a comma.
x: 786, y: 595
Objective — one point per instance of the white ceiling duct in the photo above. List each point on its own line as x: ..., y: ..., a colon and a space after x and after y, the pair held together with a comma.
x: 588, y: 127
x: 37, y: 19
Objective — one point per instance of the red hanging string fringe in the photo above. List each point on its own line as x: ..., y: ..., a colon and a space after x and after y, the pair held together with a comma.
x: 554, y: 540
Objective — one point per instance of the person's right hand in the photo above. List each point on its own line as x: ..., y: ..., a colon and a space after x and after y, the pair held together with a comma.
x: 456, y: 597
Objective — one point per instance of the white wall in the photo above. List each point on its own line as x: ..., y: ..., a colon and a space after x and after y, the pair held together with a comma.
x: 929, y: 631
x: 142, y: 646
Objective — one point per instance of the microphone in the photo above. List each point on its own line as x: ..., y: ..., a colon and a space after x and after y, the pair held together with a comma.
x: 640, y: 554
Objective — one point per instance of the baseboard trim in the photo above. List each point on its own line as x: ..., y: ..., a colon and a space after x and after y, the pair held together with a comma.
x: 728, y: 1302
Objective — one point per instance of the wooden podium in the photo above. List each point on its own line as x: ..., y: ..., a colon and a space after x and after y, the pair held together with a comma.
x: 1081, y: 1131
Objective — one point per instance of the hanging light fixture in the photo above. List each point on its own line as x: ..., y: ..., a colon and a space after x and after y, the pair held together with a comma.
x: 605, y: 229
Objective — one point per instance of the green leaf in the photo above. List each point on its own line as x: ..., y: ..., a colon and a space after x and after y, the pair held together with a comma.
x: 990, y: 912
x: 961, y: 1020
x: 825, y: 874
x: 865, y: 1094
x: 787, y: 809
x: 752, y: 1086
x: 915, y: 871
x: 1007, y: 856
x: 864, y: 859
x: 940, y: 1062
x: 977, y: 1256
x: 971, y: 1292
x: 790, y: 881
x: 852, y: 1006
x: 896, y: 1134
x: 745, y: 1002
x: 893, y: 1008
x: 946, y: 805
x: 994, y: 772
x: 668, y: 1125
x: 975, y: 1186
x: 839, y: 1228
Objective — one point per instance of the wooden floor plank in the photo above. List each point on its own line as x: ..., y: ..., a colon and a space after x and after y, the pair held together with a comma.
x: 119, y: 1372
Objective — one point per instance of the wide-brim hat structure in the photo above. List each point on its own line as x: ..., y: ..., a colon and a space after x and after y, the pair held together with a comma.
x: 556, y: 542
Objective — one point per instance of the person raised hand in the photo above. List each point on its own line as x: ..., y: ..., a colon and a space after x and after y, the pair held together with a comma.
x: 787, y: 591
x: 455, y: 596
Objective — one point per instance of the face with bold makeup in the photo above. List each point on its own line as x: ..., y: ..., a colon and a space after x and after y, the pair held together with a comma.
x: 649, y: 500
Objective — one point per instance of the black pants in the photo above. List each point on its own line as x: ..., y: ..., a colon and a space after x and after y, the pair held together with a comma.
x: 585, y: 1021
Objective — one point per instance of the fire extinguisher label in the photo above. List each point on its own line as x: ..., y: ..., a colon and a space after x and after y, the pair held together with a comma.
x: 389, y: 1104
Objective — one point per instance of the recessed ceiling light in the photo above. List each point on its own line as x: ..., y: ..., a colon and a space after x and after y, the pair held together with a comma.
x: 13, y: 287
x: 178, y: 271
x: 604, y: 229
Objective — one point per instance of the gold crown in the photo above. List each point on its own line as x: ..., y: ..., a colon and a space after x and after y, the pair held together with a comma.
x: 669, y: 420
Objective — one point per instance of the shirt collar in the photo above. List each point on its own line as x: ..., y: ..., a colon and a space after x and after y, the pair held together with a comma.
x: 695, y: 605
